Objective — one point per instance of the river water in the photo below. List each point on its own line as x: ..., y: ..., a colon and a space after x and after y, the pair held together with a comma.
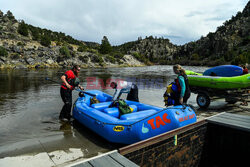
x: 30, y: 105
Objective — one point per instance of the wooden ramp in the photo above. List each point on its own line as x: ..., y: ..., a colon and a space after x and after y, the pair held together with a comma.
x: 110, y: 159
x: 236, y: 121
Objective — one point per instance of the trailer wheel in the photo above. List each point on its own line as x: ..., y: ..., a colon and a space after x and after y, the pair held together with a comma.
x: 203, y: 100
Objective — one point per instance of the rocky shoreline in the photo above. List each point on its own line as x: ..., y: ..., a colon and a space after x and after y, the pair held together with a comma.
x: 33, y: 55
x: 23, y: 51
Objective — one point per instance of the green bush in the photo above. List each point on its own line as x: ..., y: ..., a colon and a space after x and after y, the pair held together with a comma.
x: 195, y: 56
x: 84, y: 58
x: 23, y: 29
x: 117, y: 55
x: 35, y: 34
x: 141, y: 57
x: 65, y: 52
x: 20, y: 44
x: 111, y: 59
x: 3, y: 52
x: 97, y: 59
x: 14, y: 56
x: 10, y: 15
x: 45, y: 40
x: 82, y: 48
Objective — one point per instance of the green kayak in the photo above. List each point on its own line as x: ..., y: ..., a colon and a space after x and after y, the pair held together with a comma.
x: 237, y: 82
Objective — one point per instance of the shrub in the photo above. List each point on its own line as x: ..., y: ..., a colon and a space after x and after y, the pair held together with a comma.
x: 3, y: 51
x: 23, y: 29
x: 10, y: 15
x: 35, y: 33
x: 14, y: 56
x: 84, y: 58
x: 45, y: 40
x: 82, y: 48
x: 141, y: 57
x: 20, y: 44
x: 96, y: 58
x: 111, y: 59
x: 117, y: 55
x: 65, y: 52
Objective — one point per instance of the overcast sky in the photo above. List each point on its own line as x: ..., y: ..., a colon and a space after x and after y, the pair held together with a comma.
x: 122, y: 21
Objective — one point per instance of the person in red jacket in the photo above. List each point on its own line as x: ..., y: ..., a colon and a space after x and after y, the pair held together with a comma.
x: 70, y: 81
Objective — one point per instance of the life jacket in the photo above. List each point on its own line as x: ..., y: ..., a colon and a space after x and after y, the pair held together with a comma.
x: 169, y: 100
x: 171, y: 94
x: 178, y: 84
x: 71, y: 79
x: 187, y: 91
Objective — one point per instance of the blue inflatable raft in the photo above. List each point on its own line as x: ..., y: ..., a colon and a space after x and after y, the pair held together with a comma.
x: 224, y: 71
x: 144, y: 122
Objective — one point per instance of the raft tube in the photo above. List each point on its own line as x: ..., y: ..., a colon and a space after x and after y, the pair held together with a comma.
x: 144, y: 122
x: 237, y: 82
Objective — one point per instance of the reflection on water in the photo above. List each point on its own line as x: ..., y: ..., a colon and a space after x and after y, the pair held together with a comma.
x: 30, y: 105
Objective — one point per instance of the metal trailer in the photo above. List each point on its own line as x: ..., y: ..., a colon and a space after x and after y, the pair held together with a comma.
x: 206, y: 95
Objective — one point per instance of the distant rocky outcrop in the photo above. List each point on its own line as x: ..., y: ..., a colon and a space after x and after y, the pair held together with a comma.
x: 153, y: 49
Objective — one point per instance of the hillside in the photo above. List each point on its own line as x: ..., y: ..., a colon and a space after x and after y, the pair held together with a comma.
x: 26, y: 46
x: 230, y: 44
x: 23, y: 45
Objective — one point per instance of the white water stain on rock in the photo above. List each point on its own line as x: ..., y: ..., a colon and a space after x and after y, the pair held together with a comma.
x: 60, y: 157
x: 38, y: 160
x: 43, y: 159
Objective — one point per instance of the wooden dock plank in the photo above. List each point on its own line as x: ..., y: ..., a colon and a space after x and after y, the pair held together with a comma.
x: 104, y: 161
x: 231, y: 120
x: 112, y: 159
x: 86, y: 164
x: 243, y: 118
x: 122, y: 160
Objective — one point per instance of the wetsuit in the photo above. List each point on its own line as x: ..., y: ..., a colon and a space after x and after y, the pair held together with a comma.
x: 129, y: 87
x: 133, y: 94
x: 66, y: 95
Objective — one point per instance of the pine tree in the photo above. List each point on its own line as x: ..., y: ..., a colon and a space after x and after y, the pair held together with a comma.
x: 105, y: 47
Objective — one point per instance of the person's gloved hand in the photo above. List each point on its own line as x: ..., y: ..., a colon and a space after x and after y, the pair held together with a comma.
x: 181, y: 100
x: 80, y: 87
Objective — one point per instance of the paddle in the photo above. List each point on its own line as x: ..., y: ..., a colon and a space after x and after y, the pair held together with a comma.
x: 48, y: 79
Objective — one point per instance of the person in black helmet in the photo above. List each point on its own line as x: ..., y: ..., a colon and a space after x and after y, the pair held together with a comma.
x: 133, y: 90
